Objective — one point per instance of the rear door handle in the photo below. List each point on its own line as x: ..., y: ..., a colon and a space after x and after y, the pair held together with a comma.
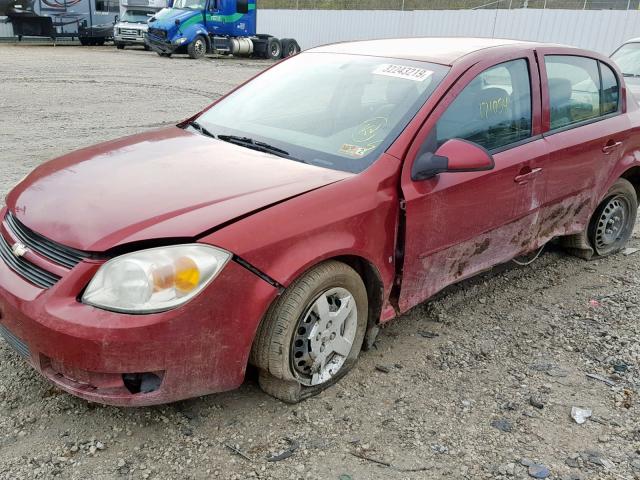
x: 525, y: 177
x: 611, y: 146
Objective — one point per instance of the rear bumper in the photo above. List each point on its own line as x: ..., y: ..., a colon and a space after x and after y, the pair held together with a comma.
x: 200, y: 348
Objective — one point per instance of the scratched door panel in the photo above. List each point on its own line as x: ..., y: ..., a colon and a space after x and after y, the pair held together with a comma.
x: 464, y: 223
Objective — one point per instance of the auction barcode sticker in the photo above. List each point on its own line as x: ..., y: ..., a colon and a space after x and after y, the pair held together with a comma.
x: 402, y: 71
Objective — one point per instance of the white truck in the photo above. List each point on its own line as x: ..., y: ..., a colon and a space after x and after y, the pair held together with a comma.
x: 132, y: 27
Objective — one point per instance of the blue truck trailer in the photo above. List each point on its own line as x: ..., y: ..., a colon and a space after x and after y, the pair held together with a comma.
x: 226, y: 27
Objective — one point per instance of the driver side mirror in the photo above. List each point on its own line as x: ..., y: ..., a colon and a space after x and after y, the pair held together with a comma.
x: 454, y: 155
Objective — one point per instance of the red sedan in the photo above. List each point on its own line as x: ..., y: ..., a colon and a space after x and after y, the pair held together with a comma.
x: 286, y: 223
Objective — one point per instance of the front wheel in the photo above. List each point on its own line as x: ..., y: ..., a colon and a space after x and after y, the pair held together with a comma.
x: 612, y: 223
x: 312, y: 335
x: 120, y: 46
x: 197, y: 48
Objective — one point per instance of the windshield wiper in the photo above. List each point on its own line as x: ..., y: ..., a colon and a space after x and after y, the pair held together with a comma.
x: 255, y: 145
x: 631, y: 75
x: 201, y: 129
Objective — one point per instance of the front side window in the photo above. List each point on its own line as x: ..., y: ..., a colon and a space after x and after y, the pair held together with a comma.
x: 332, y: 110
x: 493, y: 110
x: 242, y: 6
x: 574, y: 89
x: 628, y: 59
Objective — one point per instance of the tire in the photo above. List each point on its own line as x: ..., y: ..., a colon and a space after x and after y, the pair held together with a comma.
x: 612, y: 223
x: 120, y: 46
x: 274, y: 49
x: 84, y: 41
x: 146, y: 48
x: 294, y: 344
x: 100, y: 41
x: 289, y: 47
x: 198, y: 48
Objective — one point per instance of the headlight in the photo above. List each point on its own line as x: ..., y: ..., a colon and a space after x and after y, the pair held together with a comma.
x: 154, y: 280
x: 180, y: 41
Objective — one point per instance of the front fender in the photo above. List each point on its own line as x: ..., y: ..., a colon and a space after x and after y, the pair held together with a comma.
x: 357, y: 216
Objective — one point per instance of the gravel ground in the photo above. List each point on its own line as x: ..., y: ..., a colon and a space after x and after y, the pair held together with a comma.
x: 478, y: 383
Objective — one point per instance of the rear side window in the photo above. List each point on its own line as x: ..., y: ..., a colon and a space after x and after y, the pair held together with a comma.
x: 577, y: 91
x: 610, y: 90
x: 493, y: 110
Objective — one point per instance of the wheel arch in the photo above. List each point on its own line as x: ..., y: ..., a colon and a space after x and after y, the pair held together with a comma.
x: 375, y: 292
x: 633, y: 176
x: 373, y: 283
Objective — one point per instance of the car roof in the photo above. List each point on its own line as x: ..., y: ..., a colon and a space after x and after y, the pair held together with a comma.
x: 428, y: 49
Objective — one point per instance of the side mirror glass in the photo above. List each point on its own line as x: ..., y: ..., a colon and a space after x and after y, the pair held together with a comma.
x: 454, y: 155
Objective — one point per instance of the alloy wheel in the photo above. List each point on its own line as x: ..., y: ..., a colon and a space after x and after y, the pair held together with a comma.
x: 324, y: 336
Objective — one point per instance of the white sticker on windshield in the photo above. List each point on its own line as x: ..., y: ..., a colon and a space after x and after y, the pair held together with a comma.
x: 402, y: 71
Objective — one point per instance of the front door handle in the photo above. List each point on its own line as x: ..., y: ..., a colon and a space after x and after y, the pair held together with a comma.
x: 525, y: 177
x: 611, y: 146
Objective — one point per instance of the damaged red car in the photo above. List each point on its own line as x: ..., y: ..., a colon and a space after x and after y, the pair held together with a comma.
x: 283, y: 225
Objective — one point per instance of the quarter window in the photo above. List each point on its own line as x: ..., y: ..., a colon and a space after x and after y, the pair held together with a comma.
x: 493, y: 110
x: 610, y: 90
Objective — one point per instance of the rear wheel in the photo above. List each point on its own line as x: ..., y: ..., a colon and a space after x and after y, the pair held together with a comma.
x: 274, y: 49
x: 312, y: 335
x: 612, y: 223
x: 289, y: 47
x: 197, y: 48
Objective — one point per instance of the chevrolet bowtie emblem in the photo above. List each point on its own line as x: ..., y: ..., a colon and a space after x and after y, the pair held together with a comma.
x: 19, y: 249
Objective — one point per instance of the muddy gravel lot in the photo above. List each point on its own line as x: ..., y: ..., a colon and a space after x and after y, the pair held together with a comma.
x: 478, y: 383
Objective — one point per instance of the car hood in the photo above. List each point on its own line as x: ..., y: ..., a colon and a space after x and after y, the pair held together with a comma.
x: 167, y: 17
x: 169, y: 183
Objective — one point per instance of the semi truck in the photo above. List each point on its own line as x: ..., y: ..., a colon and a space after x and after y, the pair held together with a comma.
x: 134, y: 15
x: 91, y: 21
x: 226, y: 27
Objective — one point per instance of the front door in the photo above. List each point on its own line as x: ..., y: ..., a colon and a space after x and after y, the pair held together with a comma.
x: 458, y: 224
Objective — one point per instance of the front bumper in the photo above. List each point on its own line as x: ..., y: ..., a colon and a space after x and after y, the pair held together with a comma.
x: 129, y: 39
x: 160, y: 45
x: 199, y: 348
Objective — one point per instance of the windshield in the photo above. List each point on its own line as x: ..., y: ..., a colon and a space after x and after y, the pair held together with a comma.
x: 136, y: 16
x: 191, y: 4
x: 332, y: 110
x: 628, y: 59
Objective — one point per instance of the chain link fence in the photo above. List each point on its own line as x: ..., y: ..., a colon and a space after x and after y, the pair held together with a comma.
x: 448, y: 4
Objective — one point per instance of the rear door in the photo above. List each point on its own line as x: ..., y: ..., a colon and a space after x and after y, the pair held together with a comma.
x: 458, y: 224
x: 585, y: 133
